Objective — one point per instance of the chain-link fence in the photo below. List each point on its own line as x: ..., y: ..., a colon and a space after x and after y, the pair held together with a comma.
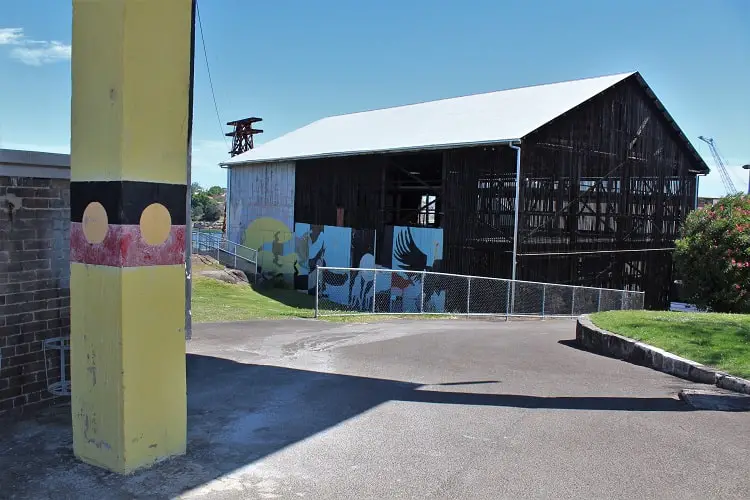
x: 342, y: 291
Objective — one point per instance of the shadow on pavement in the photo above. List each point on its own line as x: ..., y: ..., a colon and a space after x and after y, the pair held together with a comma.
x: 237, y: 414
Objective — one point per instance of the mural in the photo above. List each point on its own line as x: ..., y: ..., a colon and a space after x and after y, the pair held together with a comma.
x: 336, y: 247
x: 262, y: 217
x: 409, y: 249
x: 276, y: 249
x: 416, y: 249
x: 321, y: 246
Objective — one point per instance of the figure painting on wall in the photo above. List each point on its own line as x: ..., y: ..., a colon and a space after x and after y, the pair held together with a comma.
x: 415, y: 250
x: 276, y: 253
x: 322, y: 246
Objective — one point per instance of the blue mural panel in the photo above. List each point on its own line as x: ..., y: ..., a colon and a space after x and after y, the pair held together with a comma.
x: 335, y: 246
x: 417, y: 249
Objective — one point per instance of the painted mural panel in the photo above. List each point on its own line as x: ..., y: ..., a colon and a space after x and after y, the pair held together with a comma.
x: 363, y: 257
x: 261, y: 216
x: 416, y: 249
x: 336, y: 247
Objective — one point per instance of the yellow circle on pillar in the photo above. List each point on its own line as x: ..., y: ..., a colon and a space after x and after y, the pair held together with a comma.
x: 95, y: 222
x: 155, y: 224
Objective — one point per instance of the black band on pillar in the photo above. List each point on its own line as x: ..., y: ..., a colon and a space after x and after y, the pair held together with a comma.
x: 124, y: 201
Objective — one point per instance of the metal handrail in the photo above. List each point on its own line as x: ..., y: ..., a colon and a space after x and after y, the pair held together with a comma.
x: 204, y: 242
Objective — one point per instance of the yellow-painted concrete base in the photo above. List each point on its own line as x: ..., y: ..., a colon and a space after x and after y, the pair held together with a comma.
x: 128, y: 364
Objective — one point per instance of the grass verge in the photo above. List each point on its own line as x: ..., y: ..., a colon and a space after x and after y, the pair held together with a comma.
x: 216, y: 301
x: 721, y: 341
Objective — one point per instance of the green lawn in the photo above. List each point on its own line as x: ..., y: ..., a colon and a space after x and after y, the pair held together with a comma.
x: 718, y: 340
x: 215, y: 301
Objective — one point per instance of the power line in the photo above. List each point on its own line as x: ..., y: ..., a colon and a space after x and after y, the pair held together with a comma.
x: 210, y: 81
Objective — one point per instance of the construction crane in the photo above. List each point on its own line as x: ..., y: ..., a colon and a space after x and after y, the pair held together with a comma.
x: 721, y: 165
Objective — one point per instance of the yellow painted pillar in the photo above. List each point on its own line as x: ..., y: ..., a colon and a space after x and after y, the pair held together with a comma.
x: 130, y: 128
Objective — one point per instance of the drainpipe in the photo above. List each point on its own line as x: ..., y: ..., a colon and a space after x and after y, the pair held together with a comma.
x: 515, y: 225
x: 517, y: 204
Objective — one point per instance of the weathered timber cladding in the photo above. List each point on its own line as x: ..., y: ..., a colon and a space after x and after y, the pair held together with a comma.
x: 260, y: 191
x: 610, y: 175
x: 34, y: 285
x: 478, y: 202
x: 604, y: 190
x: 353, y: 183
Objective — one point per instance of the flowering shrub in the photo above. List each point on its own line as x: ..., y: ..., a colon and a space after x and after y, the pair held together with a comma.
x: 713, y: 255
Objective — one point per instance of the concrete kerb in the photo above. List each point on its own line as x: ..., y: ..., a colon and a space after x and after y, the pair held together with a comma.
x: 594, y: 339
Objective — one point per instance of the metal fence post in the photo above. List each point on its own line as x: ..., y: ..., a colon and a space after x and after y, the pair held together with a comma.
x: 255, y: 274
x: 374, y: 289
x: 599, y: 302
x: 573, y: 303
x: 468, y: 295
x: 544, y: 297
x: 421, y: 293
x: 317, y: 290
x: 507, y: 299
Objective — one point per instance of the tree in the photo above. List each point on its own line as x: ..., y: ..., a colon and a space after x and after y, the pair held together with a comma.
x: 211, y: 211
x: 713, y: 255
x: 215, y: 191
x: 196, y: 212
x: 198, y: 204
x: 195, y: 188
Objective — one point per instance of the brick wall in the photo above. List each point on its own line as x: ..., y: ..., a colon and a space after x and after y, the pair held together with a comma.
x: 34, y: 286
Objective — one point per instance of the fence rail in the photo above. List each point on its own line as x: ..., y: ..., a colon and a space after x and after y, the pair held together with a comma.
x: 226, y: 252
x: 350, y: 291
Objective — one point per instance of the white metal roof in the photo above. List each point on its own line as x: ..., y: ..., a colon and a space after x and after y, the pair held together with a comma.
x: 493, y: 117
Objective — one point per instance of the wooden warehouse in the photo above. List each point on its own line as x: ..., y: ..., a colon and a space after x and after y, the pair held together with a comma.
x: 601, y: 175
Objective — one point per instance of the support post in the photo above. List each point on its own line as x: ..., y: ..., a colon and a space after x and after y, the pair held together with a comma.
x: 516, y: 209
x: 599, y: 302
x: 374, y: 289
x: 544, y: 297
x: 317, y: 290
x: 129, y: 235
x: 468, y: 294
x: 421, y: 293
x: 507, y: 299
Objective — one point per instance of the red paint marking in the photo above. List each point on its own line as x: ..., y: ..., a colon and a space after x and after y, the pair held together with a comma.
x: 123, y: 246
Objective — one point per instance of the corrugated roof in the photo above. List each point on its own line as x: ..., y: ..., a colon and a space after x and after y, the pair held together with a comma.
x: 492, y: 117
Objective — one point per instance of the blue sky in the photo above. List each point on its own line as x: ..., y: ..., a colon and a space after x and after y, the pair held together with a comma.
x: 293, y: 62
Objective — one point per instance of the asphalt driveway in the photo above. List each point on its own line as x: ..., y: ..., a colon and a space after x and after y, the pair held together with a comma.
x: 409, y: 409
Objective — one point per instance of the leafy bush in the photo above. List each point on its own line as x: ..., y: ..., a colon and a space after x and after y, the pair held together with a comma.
x: 211, y: 211
x: 713, y: 255
x: 215, y: 191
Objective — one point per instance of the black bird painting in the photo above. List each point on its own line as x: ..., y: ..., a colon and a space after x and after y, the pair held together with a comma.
x: 409, y: 255
x: 411, y: 258
x: 329, y: 277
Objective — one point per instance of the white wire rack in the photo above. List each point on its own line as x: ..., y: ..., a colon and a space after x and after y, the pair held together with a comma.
x: 57, y: 350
